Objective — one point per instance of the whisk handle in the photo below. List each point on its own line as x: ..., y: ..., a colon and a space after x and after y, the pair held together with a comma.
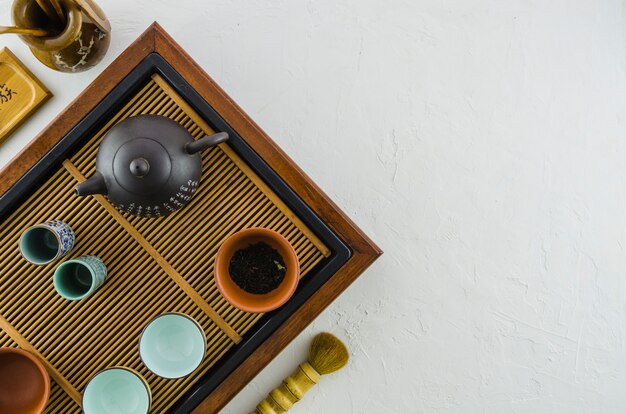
x: 293, y: 388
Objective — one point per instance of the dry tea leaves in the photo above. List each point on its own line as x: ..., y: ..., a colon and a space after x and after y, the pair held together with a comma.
x: 257, y: 269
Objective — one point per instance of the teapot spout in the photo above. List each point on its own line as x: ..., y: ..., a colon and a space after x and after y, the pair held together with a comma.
x: 94, y: 185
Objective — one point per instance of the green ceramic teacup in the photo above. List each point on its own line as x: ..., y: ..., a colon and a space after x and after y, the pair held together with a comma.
x: 43, y: 243
x: 172, y: 345
x: 117, y: 390
x: 78, y: 278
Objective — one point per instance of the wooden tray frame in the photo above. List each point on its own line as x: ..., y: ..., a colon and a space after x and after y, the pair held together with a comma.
x: 363, y: 251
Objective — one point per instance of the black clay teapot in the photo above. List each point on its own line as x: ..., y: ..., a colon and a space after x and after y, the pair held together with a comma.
x: 148, y: 165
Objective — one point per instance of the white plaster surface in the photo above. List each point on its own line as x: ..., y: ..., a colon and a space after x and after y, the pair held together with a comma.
x: 480, y: 143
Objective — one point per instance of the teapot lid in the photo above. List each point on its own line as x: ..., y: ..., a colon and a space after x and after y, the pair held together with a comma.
x: 142, y: 166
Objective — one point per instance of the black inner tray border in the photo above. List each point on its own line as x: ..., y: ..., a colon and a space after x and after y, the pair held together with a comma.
x: 270, y: 322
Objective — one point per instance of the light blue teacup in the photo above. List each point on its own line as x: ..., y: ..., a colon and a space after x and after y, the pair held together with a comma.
x: 46, y: 242
x: 117, y: 390
x: 172, y: 345
x: 78, y: 278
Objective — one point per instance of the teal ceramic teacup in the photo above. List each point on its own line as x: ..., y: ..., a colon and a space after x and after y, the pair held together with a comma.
x: 43, y: 243
x: 172, y: 345
x: 117, y: 390
x: 78, y: 278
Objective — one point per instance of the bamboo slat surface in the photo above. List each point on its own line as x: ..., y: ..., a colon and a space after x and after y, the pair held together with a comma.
x: 155, y: 265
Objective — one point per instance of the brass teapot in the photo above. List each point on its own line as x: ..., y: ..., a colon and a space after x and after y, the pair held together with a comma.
x: 148, y: 166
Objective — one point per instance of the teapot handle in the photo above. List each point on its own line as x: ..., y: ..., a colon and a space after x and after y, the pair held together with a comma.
x: 206, y: 142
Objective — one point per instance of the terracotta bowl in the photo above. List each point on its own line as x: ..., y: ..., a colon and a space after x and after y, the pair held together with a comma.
x: 24, y: 383
x: 250, y: 302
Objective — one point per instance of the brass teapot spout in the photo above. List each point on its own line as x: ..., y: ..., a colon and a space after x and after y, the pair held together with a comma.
x: 93, y: 185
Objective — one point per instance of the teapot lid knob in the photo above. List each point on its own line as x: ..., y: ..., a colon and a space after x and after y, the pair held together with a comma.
x: 139, y: 167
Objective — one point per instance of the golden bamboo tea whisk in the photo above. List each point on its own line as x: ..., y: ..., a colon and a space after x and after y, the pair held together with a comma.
x: 326, y: 355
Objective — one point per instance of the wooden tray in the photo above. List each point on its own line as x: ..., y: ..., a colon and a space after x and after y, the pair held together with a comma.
x: 163, y: 265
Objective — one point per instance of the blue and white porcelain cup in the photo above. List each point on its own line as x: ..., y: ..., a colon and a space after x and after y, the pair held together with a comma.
x: 78, y: 278
x: 46, y: 242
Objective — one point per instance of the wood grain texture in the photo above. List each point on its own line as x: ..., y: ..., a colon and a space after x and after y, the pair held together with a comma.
x: 52, y: 371
x: 59, y: 402
x: 164, y: 256
x: 165, y: 265
x: 243, y: 166
x: 364, y: 251
x: 80, y: 107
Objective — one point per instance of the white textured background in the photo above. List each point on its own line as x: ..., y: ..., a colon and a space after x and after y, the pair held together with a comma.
x: 480, y: 143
